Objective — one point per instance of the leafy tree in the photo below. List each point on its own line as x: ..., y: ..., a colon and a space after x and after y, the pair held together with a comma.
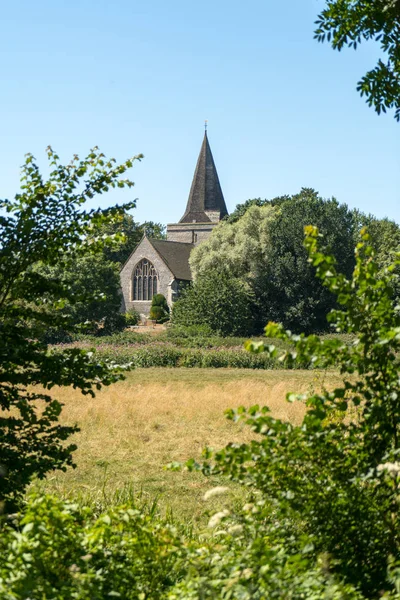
x: 128, y: 234
x: 239, y: 248
x: 94, y: 285
x: 46, y: 224
x: 159, y: 310
x: 347, y: 23
x: 264, y: 248
x: 241, y: 209
x: 286, y: 288
x: 385, y: 239
x: 217, y: 300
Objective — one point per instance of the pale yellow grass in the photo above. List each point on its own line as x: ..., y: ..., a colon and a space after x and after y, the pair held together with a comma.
x: 131, y: 430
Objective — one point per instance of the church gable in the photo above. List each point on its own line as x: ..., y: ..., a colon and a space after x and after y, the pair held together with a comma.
x: 144, y: 274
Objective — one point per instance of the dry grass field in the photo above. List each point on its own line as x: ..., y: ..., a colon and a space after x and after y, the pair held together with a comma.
x: 131, y: 430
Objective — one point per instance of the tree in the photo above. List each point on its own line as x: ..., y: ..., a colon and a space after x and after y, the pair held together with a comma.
x: 128, y: 234
x: 46, y: 224
x: 239, y: 248
x: 347, y: 23
x: 94, y: 285
x: 217, y: 300
x: 286, y: 288
x: 264, y: 249
x: 242, y: 208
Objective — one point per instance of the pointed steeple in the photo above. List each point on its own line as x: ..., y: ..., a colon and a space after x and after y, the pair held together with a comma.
x: 206, y: 202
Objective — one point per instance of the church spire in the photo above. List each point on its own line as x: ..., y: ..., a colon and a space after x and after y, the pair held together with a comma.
x: 206, y: 202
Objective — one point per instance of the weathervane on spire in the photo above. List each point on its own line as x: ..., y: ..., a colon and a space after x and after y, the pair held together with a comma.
x: 205, y: 125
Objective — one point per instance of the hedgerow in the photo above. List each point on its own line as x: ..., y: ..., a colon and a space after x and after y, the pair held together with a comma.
x: 163, y: 355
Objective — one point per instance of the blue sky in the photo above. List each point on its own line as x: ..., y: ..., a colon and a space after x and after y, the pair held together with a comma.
x: 130, y: 77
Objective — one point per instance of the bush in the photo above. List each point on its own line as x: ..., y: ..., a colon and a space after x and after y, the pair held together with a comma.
x: 159, y: 310
x: 218, y: 301
x: 132, y: 318
x: 163, y: 355
x: 62, y: 552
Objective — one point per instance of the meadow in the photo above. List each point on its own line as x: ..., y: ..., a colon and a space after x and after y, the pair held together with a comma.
x: 132, y: 429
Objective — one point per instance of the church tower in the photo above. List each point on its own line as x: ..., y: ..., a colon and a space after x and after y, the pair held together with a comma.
x: 206, y: 205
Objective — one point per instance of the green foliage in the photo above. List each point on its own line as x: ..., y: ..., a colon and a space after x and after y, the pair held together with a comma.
x: 94, y: 286
x: 164, y: 355
x: 347, y: 23
x: 46, y: 225
x: 329, y: 488
x: 127, y: 235
x: 264, y: 250
x: 132, y: 317
x: 159, y: 310
x: 385, y: 239
x: 242, y: 208
x: 62, y: 552
x: 286, y: 288
x: 218, y: 300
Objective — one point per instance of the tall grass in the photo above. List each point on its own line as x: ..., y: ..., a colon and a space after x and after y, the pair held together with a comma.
x: 131, y: 430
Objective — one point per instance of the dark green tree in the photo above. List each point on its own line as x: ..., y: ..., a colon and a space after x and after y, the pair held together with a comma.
x: 263, y: 247
x: 286, y: 288
x: 94, y: 286
x: 128, y: 234
x: 46, y: 224
x: 223, y: 303
x: 348, y: 23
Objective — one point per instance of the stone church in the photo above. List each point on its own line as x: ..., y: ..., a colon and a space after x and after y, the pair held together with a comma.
x: 162, y: 266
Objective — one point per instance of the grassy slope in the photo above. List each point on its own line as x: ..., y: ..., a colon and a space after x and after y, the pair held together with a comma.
x: 134, y: 428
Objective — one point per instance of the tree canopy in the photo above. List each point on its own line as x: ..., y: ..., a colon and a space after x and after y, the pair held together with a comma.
x: 128, y: 234
x: 263, y: 247
x: 348, y: 23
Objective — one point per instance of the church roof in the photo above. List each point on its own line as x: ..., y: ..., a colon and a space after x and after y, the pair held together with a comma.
x: 205, y: 193
x: 176, y: 257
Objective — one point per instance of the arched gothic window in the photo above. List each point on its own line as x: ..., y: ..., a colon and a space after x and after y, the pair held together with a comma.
x: 144, y: 282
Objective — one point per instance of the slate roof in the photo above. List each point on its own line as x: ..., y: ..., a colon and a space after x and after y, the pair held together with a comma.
x: 205, y: 193
x: 176, y: 257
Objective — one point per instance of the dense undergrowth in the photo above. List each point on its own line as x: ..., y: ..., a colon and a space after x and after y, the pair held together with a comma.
x: 185, y: 347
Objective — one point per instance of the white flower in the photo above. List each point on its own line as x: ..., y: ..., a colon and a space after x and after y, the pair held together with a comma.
x: 217, y: 518
x: 235, y: 529
x: 247, y: 573
x: 248, y: 507
x: 392, y: 468
x: 215, y: 491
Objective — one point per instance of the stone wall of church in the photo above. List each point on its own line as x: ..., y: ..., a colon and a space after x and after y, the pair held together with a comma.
x: 165, y: 278
x: 190, y: 233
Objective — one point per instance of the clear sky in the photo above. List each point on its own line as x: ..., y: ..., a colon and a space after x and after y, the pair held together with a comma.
x: 130, y: 77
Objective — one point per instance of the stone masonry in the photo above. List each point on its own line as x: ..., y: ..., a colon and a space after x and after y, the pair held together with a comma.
x: 165, y: 277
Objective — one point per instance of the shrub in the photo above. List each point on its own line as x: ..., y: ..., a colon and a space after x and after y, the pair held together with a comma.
x: 218, y: 301
x: 63, y: 552
x: 163, y: 355
x: 132, y: 317
x: 159, y: 310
